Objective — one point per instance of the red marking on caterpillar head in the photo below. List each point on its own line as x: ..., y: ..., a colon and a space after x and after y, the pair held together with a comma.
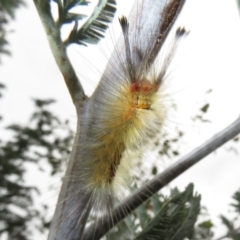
x: 144, y: 87
x: 135, y: 87
x: 142, y: 93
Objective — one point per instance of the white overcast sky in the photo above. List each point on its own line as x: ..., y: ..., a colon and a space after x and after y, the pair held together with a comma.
x: 209, y: 59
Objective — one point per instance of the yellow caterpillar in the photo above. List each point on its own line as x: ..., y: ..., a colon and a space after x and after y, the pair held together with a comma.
x: 121, y: 118
x: 123, y: 115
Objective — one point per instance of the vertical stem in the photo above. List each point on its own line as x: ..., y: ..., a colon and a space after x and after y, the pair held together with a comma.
x: 74, y: 203
x: 59, y: 52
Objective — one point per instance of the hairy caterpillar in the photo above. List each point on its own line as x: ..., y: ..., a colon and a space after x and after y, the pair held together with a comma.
x: 124, y: 113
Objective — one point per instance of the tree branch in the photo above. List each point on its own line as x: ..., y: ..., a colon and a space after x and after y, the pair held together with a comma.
x: 103, y: 225
x: 73, y: 206
x: 59, y: 52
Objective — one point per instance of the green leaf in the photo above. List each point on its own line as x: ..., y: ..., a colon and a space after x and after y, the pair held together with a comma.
x: 92, y: 31
x: 203, y: 231
x: 206, y: 224
x: 176, y: 218
x: 176, y: 153
x: 73, y: 17
x: 236, y: 205
x: 9, y: 6
x: 68, y: 4
x: 154, y: 170
x: 227, y: 223
x: 157, y: 203
x: 205, y: 108
x: 142, y: 215
x: 63, y: 11
x: 121, y: 232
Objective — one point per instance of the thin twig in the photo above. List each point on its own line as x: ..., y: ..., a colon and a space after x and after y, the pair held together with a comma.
x: 59, y: 52
x: 103, y: 225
